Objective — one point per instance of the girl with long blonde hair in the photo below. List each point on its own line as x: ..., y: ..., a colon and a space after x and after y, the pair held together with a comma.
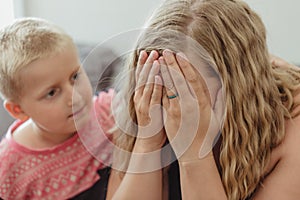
x: 254, y: 102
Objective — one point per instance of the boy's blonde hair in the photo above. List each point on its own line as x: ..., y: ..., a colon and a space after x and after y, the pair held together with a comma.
x: 22, y: 42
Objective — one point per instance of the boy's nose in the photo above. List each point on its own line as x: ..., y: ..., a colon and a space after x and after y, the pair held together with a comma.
x: 74, y: 97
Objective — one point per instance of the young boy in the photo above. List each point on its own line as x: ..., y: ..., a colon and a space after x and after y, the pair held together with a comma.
x: 44, y: 87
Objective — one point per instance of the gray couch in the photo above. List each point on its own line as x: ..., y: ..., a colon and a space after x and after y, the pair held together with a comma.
x: 101, y: 65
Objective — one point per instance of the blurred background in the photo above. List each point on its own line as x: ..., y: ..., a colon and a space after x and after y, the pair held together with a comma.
x: 94, y: 21
x: 114, y: 23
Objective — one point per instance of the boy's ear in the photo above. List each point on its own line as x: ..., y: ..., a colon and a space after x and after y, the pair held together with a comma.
x: 15, y: 110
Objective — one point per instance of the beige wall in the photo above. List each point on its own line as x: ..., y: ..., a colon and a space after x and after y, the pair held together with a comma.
x: 282, y: 21
x: 93, y: 20
x: 98, y: 20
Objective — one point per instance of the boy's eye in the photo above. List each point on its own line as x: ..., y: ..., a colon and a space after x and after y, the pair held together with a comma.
x: 51, y: 93
x: 75, y: 76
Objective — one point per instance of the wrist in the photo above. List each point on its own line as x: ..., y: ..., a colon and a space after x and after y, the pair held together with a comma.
x: 146, y: 145
x: 194, y: 161
x: 144, y: 162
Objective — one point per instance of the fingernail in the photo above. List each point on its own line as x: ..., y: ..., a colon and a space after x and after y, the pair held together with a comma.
x: 161, y: 60
x: 152, y: 53
x: 155, y: 63
x: 181, y: 56
x: 141, y: 54
x: 167, y: 52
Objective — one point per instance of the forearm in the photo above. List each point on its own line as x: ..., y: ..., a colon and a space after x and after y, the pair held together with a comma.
x: 200, y: 180
x: 140, y: 186
x: 143, y: 179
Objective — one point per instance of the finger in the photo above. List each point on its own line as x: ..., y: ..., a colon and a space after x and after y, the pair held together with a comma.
x: 165, y: 104
x: 186, y: 68
x: 148, y: 89
x: 141, y: 61
x: 176, y: 74
x: 143, y: 72
x: 143, y: 76
x: 157, y: 91
x: 155, y: 106
x: 194, y: 79
x: 167, y: 80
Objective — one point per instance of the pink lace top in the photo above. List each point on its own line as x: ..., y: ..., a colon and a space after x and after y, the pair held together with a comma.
x: 62, y: 171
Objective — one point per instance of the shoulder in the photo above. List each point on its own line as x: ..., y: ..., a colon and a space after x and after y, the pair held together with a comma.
x: 288, y: 168
x: 291, y: 142
x: 283, y: 181
x: 10, y: 159
x: 5, y: 150
x: 7, y: 145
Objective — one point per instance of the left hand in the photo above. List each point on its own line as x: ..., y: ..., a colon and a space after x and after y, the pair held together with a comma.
x: 191, y: 122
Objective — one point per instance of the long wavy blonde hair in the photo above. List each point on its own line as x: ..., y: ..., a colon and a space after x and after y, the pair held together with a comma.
x: 259, y: 96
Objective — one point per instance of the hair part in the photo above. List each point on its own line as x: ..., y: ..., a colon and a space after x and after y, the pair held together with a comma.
x: 21, y: 43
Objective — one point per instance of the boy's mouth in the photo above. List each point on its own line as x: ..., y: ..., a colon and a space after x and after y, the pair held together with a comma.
x: 77, y: 112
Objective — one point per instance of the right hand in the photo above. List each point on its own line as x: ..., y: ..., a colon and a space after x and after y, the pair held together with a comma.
x: 147, y: 101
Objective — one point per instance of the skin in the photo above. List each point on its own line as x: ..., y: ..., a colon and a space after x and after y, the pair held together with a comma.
x: 200, y: 178
x: 145, y: 184
x: 56, y: 93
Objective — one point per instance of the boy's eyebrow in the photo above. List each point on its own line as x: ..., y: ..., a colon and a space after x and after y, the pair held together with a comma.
x: 76, y: 69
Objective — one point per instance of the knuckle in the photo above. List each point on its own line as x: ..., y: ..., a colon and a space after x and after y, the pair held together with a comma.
x: 192, y: 78
x: 175, y: 111
x: 142, y: 80
x: 203, y: 102
x: 147, y: 88
x: 170, y: 61
x: 136, y: 98
x: 142, y: 110
x: 180, y: 81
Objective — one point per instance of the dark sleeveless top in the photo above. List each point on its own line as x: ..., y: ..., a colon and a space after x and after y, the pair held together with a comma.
x: 174, y: 176
x: 98, y: 190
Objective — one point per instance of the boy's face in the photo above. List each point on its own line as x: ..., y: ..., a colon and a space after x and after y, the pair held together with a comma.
x: 56, y: 93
